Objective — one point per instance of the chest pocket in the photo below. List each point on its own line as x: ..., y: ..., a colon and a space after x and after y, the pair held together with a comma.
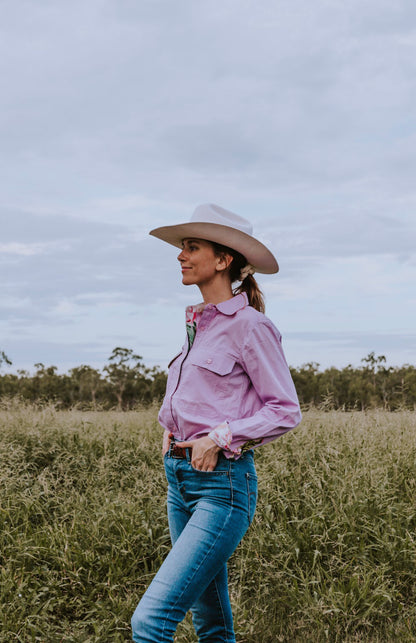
x: 215, y: 368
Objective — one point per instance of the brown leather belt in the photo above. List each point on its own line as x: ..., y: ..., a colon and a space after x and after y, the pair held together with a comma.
x: 179, y: 452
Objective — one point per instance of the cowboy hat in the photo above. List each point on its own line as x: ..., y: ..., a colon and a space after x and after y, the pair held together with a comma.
x: 213, y: 223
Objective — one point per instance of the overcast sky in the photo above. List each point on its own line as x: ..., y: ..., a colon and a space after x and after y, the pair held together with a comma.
x: 121, y: 115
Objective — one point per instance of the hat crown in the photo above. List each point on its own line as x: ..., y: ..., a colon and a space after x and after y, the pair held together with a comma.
x: 211, y: 213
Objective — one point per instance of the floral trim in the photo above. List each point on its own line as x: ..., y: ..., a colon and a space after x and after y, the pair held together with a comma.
x: 222, y: 437
x: 192, y: 315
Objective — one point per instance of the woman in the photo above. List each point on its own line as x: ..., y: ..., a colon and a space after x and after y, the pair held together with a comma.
x: 228, y: 390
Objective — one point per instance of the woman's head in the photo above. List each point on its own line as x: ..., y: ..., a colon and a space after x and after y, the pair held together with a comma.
x: 234, y: 254
x: 206, y: 263
x: 201, y: 265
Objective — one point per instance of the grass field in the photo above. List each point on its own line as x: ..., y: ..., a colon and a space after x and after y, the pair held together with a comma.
x: 330, y: 556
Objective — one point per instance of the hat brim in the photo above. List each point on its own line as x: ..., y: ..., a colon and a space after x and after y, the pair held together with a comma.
x: 253, y: 250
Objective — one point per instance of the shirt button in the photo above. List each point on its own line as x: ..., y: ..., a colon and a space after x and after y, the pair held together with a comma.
x: 209, y: 361
x: 202, y: 328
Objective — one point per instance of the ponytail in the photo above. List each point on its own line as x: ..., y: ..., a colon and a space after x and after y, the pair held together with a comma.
x: 255, y: 296
x: 248, y: 285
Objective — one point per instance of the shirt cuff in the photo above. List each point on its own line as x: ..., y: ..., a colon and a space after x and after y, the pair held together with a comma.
x: 222, y: 436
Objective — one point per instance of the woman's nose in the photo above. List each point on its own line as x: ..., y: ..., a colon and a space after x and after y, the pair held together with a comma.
x: 181, y: 257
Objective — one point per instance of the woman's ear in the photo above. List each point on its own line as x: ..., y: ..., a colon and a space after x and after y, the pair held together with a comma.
x: 224, y: 262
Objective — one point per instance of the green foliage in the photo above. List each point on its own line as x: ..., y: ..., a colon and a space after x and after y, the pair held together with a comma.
x: 329, y: 556
x: 4, y: 359
x: 123, y: 370
x: 126, y: 382
x: 370, y: 386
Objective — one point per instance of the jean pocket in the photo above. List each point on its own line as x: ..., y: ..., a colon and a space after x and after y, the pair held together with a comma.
x: 215, y: 472
x: 251, y: 482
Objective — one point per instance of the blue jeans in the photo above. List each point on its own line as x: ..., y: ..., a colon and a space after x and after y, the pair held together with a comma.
x: 209, y: 513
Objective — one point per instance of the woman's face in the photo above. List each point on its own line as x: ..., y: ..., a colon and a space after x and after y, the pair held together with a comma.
x: 199, y: 264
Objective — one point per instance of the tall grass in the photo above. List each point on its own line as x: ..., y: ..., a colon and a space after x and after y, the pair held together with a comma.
x: 330, y: 555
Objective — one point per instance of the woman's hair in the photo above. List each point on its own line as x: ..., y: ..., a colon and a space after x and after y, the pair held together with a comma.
x: 249, y: 285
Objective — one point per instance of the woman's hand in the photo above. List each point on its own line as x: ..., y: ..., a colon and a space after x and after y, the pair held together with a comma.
x: 166, y: 442
x: 204, y: 453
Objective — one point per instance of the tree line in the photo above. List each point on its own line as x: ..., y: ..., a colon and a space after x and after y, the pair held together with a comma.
x: 125, y: 382
x: 371, y: 385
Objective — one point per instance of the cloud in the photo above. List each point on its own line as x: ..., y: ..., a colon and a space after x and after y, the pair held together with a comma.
x: 23, y: 249
x: 83, y: 265
x: 292, y: 96
x: 334, y: 235
x: 117, y: 117
x: 342, y: 348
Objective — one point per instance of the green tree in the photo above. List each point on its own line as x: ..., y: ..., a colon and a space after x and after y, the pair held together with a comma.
x: 86, y: 383
x: 4, y: 359
x: 307, y: 381
x: 372, y: 366
x: 125, y: 368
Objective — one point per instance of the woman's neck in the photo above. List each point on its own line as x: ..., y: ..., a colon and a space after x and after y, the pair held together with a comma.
x: 216, y: 293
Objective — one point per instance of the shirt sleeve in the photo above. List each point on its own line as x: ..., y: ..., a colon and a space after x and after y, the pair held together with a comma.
x: 263, y: 360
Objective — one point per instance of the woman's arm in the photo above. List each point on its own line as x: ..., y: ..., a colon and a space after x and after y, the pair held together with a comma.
x: 263, y: 360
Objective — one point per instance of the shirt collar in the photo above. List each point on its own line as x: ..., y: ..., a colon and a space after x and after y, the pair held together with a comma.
x: 231, y: 306
x: 228, y: 307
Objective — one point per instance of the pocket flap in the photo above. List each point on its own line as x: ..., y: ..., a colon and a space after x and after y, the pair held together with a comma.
x: 221, y: 364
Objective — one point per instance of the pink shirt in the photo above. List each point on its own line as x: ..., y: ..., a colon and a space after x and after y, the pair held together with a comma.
x: 232, y: 382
